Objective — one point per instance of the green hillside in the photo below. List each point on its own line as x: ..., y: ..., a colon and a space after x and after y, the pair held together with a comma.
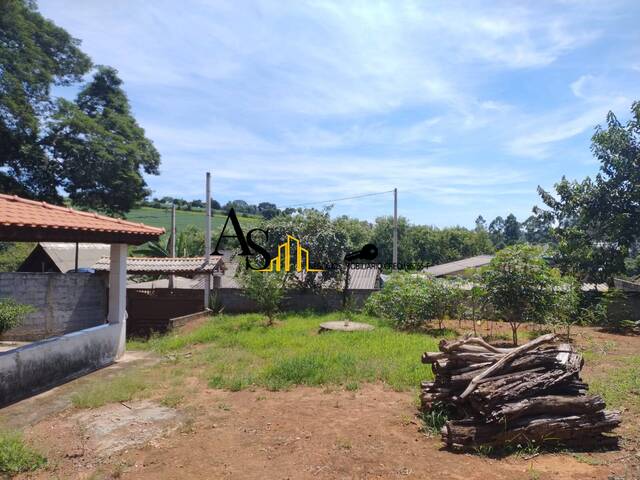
x: 159, y: 217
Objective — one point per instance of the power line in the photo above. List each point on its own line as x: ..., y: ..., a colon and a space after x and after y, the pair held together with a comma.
x: 337, y: 199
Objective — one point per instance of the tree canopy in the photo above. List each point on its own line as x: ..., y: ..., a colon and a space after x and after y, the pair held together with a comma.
x: 598, y: 220
x: 92, y: 148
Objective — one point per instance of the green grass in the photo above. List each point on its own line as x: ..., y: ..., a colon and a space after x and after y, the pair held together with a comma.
x: 238, y: 352
x: 16, y: 456
x: 620, y: 385
x: 119, y: 389
x: 159, y: 217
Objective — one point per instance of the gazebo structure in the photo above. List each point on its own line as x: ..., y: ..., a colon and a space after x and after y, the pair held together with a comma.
x: 46, y: 363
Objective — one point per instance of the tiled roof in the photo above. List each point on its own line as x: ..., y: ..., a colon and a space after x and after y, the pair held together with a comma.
x: 159, y: 265
x: 364, y: 278
x: 26, y: 220
x: 64, y: 254
x: 459, y: 266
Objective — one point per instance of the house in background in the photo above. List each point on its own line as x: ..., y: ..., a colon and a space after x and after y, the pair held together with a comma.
x: 457, y: 268
x: 61, y: 257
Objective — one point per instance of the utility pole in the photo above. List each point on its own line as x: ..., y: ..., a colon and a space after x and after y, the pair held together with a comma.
x: 207, y: 243
x: 172, y: 251
x: 395, y: 229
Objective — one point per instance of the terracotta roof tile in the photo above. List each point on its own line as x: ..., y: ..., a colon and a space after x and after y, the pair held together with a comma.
x: 192, y: 265
x: 23, y: 214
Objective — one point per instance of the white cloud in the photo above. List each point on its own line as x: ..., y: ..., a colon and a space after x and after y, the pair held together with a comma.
x: 339, y: 98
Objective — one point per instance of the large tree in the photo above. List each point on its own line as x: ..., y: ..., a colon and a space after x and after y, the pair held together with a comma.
x: 93, y: 149
x: 101, y: 149
x: 598, y: 220
x: 34, y: 55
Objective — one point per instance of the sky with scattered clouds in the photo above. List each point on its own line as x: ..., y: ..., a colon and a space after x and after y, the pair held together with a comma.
x: 465, y: 107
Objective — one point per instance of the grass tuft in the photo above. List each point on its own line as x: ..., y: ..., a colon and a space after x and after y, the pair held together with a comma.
x: 119, y: 389
x: 435, y: 418
x: 16, y: 456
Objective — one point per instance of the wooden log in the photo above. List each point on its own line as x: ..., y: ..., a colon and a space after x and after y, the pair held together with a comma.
x: 520, y: 385
x: 546, y: 404
x: 539, y: 429
x: 471, y: 341
x: 430, y: 357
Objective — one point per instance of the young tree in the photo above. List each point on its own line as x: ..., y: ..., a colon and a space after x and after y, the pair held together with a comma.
x: 520, y: 286
x: 566, y: 306
x: 267, y: 289
x: 101, y: 148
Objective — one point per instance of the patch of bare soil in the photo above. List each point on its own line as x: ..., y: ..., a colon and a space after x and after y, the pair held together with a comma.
x: 305, y: 433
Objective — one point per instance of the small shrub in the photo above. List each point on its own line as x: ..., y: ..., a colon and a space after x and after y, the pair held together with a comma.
x: 12, y: 313
x: 16, y: 457
x: 266, y: 289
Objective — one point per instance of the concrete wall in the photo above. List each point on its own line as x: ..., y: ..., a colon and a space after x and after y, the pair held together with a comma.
x: 39, y: 366
x: 232, y: 300
x: 64, y: 302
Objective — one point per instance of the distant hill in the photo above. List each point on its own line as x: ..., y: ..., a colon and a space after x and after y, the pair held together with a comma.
x: 160, y: 217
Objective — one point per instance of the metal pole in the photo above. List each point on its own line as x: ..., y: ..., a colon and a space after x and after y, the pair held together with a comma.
x: 395, y: 229
x: 172, y: 252
x: 207, y: 243
x: 77, y: 247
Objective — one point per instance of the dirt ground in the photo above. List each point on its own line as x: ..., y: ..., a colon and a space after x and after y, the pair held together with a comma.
x: 303, y: 433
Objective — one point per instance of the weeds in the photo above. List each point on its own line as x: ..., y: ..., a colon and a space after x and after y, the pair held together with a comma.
x: 435, y: 418
x: 119, y: 389
x: 241, y: 353
x: 16, y: 456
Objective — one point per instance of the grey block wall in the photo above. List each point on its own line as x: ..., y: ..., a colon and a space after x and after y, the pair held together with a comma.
x: 64, y: 302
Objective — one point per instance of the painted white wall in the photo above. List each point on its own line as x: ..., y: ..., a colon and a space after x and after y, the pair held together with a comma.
x: 118, y: 293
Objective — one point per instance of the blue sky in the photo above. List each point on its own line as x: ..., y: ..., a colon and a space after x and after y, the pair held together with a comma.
x: 464, y: 107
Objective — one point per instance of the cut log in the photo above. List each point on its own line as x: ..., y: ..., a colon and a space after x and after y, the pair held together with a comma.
x: 538, y: 429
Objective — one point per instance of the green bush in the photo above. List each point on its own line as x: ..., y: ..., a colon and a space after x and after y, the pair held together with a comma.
x: 403, y: 300
x: 12, y: 313
x: 410, y: 300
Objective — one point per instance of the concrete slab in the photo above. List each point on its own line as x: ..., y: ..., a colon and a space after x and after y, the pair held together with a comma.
x: 345, y: 326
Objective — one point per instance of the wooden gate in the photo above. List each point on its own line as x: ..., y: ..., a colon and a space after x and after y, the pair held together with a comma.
x: 151, y: 310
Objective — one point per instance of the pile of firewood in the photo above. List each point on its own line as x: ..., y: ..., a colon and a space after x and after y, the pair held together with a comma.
x: 507, y: 396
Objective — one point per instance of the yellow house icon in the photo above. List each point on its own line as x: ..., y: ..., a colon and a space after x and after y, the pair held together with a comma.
x: 283, y: 260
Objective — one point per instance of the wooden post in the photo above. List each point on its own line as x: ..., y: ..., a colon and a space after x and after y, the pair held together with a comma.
x: 395, y: 229
x: 118, y: 293
x: 207, y: 243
